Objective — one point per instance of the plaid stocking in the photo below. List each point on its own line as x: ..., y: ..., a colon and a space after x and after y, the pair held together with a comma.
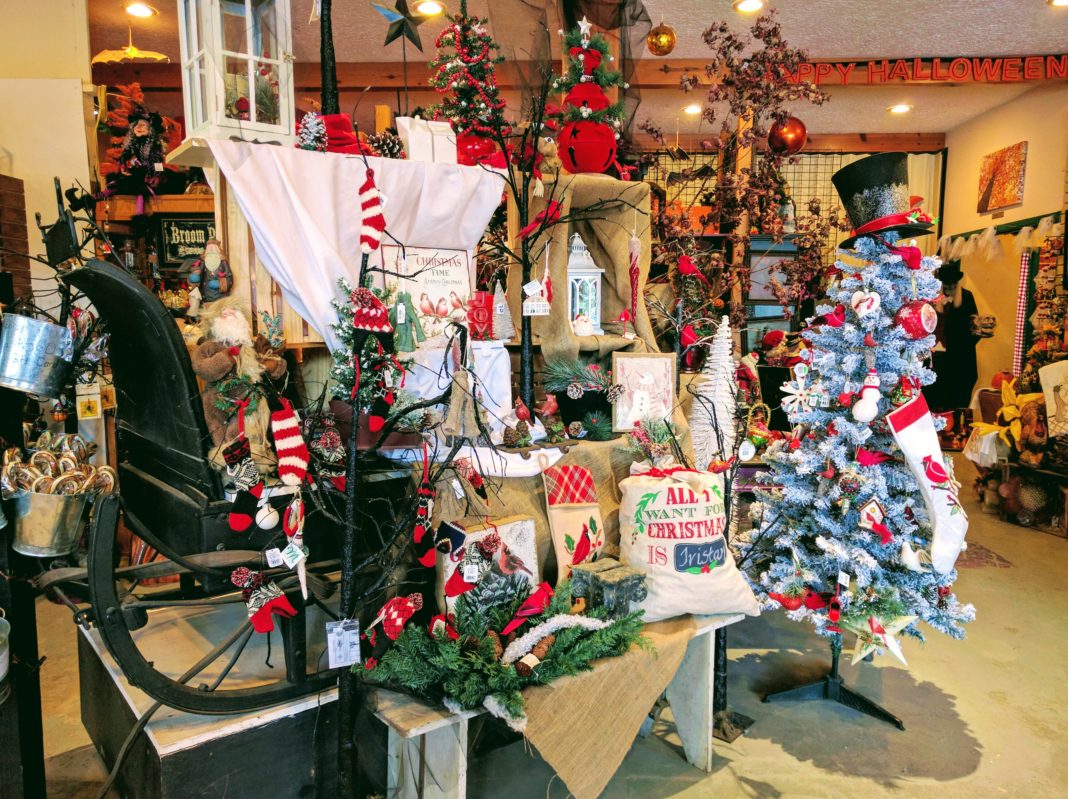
x: 244, y: 475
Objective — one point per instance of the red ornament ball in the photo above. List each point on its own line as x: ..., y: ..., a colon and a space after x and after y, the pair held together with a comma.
x: 787, y: 137
x: 917, y: 319
x: 586, y: 147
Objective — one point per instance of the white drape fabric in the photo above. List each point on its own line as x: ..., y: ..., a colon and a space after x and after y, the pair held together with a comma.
x: 304, y: 213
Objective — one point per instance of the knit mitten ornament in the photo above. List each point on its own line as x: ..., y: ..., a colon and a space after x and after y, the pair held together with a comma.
x: 292, y: 452
x: 246, y: 478
x: 263, y: 600
x: 914, y: 432
x: 424, y: 542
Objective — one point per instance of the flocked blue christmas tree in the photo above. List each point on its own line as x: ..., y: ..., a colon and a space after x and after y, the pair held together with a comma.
x: 861, y: 524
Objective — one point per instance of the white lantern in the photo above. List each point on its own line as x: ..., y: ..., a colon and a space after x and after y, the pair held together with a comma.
x: 237, y: 69
x: 584, y: 285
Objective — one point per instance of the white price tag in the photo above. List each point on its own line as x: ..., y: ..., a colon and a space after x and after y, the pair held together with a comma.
x: 843, y: 579
x: 402, y: 314
x: 342, y: 643
x: 500, y: 308
x: 457, y: 489
x: 274, y: 557
x: 800, y: 370
x: 471, y: 573
x: 292, y: 555
x: 532, y: 288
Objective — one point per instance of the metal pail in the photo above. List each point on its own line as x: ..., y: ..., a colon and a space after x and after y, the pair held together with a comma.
x: 47, y: 525
x: 35, y: 356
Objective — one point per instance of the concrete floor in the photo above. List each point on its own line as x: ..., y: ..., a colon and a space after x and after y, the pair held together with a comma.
x: 984, y: 717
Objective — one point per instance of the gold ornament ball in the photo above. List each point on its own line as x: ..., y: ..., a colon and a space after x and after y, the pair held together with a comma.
x: 661, y: 40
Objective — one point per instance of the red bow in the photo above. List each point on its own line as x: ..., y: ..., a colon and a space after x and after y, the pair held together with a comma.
x: 591, y: 59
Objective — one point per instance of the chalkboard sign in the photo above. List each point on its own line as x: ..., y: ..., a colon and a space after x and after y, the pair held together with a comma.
x: 183, y: 237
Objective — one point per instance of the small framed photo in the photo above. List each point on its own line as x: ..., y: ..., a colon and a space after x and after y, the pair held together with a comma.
x: 648, y: 381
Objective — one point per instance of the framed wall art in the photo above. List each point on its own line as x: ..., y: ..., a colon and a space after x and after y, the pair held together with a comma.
x: 648, y: 381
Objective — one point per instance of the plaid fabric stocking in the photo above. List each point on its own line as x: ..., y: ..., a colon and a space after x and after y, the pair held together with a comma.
x: 245, y: 476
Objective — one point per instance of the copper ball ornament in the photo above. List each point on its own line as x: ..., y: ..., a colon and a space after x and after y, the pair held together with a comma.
x: 661, y: 40
x: 787, y: 137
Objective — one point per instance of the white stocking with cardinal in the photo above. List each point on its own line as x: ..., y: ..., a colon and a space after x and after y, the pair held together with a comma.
x: 914, y: 432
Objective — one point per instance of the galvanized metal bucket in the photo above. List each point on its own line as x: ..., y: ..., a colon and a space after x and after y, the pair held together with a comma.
x: 47, y: 525
x: 35, y: 356
x: 5, y: 646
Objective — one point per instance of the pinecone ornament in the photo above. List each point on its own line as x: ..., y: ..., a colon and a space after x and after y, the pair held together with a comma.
x: 387, y: 145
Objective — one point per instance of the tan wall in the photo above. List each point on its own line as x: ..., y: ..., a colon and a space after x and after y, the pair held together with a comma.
x: 45, y: 39
x: 1039, y: 117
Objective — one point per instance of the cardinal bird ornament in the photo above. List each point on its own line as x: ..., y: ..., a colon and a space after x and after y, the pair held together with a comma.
x: 549, y: 407
x: 521, y: 410
x: 688, y: 268
x: 548, y: 217
x: 582, y: 547
x: 532, y: 606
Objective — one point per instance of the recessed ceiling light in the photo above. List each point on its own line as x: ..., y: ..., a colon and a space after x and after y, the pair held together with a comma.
x: 142, y: 10
x: 748, y: 6
x: 693, y: 110
x: 429, y: 8
x: 1057, y: 3
x: 899, y: 108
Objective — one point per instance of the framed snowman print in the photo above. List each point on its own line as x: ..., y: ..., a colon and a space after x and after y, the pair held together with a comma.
x: 648, y: 388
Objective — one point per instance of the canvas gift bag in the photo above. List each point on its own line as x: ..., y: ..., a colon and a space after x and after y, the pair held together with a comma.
x: 574, y: 515
x: 427, y: 140
x: 671, y: 526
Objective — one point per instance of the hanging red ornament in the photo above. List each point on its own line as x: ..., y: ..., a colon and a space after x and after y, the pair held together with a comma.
x: 917, y: 319
x: 787, y: 137
x: 661, y: 40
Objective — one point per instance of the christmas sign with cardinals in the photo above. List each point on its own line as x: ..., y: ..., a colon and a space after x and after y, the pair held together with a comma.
x: 671, y: 527
x: 439, y: 282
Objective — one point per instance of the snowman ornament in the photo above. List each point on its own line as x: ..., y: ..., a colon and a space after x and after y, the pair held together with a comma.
x: 867, y: 407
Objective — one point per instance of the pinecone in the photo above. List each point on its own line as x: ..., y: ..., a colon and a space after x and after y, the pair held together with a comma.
x: 575, y: 429
x: 387, y: 145
x: 510, y: 438
x: 498, y: 647
x: 498, y: 590
x: 575, y: 391
x: 615, y: 392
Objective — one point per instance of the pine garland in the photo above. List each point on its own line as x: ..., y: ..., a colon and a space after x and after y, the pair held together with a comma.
x: 466, y: 673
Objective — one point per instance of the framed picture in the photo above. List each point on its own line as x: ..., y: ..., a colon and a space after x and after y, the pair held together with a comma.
x: 1001, y: 178
x: 182, y: 237
x: 648, y: 381
x: 438, y: 280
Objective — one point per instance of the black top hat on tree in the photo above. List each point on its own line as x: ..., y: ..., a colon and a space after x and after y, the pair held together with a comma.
x: 875, y: 193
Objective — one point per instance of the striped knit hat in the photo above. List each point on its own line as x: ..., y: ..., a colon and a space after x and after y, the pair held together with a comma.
x: 373, y: 224
x: 289, y: 445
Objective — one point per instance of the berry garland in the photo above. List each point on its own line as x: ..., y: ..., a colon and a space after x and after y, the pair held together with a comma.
x: 473, y: 67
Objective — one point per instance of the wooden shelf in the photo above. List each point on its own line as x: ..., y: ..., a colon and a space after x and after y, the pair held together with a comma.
x: 121, y: 208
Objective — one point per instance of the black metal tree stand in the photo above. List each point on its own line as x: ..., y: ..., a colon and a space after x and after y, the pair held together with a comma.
x: 833, y: 688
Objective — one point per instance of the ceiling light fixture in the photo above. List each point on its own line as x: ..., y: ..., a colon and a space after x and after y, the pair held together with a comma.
x: 142, y: 10
x: 748, y: 6
x: 693, y: 109
x: 429, y: 8
x: 1057, y: 3
x: 899, y: 108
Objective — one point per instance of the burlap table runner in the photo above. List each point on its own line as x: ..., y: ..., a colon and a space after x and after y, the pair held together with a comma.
x: 583, y: 726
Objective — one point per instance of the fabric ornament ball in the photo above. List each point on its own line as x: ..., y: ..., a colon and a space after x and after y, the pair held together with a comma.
x: 787, y: 137
x: 917, y: 319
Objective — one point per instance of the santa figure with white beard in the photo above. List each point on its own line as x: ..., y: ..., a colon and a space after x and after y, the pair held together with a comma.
x: 233, y: 363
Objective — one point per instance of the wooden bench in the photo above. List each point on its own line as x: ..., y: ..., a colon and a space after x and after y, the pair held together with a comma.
x: 427, y: 746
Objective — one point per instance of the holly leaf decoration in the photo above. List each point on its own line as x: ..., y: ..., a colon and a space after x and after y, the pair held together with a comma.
x: 706, y: 569
x: 640, y: 508
x: 569, y: 543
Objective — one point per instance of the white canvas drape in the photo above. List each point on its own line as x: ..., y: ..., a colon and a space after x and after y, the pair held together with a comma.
x: 304, y: 213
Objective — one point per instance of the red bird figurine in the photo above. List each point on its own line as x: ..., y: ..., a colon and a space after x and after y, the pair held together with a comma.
x: 550, y: 216
x: 521, y: 410
x: 689, y: 268
x: 549, y: 407
x: 532, y: 606
x: 717, y: 466
x: 934, y: 471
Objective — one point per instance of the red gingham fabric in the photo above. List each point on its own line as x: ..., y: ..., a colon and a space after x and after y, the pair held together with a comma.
x: 1021, y: 310
x: 569, y: 485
